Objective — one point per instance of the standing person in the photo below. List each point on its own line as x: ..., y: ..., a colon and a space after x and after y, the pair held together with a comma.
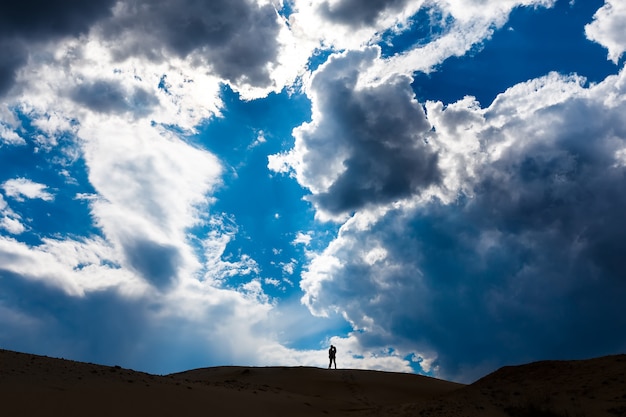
x: 332, y: 352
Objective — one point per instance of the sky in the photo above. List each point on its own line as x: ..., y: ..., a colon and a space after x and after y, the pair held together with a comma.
x: 433, y: 186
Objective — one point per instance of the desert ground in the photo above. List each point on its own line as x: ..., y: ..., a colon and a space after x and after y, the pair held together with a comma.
x: 32, y: 385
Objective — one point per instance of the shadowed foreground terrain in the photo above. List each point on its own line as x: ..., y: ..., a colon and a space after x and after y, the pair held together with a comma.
x: 33, y: 385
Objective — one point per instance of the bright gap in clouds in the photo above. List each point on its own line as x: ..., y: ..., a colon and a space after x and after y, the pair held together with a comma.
x: 267, y: 210
x: 532, y: 43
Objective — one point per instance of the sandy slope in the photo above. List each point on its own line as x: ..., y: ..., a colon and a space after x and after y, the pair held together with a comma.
x: 585, y: 388
x: 34, y: 386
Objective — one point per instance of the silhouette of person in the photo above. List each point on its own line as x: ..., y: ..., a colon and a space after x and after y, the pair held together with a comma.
x: 332, y: 352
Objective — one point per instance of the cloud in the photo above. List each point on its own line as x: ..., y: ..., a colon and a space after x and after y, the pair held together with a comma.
x: 74, y: 267
x: 356, y: 152
x: 21, y: 188
x: 42, y: 19
x: 492, y: 10
x: 288, y: 267
x: 8, y: 136
x: 452, y: 28
x: 607, y: 28
x: 346, y: 25
x: 110, y: 326
x: 147, y: 185
x: 303, y: 239
x: 9, y: 220
x: 244, y: 43
x: 236, y: 39
x: 156, y: 263
x: 218, y: 268
x: 523, y: 264
x: 456, y: 28
x: 69, y: 80
x: 158, y: 333
x: 13, y: 58
x: 359, y: 13
x: 110, y: 97
x: 26, y: 24
x: 12, y: 224
x: 152, y: 187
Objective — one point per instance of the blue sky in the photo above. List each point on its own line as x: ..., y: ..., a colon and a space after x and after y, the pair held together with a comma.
x: 432, y: 186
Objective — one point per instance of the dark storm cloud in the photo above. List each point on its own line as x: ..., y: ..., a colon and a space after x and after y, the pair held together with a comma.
x: 380, y: 133
x: 31, y: 21
x: 109, y: 97
x: 357, y: 13
x: 42, y: 19
x: 13, y: 57
x: 237, y: 38
x: 156, y: 263
x: 530, y: 267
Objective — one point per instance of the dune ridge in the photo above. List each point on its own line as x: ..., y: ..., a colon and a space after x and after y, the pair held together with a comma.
x: 32, y: 385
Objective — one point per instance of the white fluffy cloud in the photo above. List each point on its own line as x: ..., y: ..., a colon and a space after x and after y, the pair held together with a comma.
x: 150, y: 187
x: 23, y: 188
x: 607, y: 28
x: 10, y: 220
x: 8, y: 136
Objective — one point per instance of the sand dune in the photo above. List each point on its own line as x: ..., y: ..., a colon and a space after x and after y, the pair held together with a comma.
x: 33, y: 385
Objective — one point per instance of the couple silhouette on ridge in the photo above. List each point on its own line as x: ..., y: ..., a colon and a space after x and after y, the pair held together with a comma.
x: 332, y: 352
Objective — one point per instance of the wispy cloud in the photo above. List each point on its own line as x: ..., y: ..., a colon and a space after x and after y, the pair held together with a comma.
x: 22, y: 188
